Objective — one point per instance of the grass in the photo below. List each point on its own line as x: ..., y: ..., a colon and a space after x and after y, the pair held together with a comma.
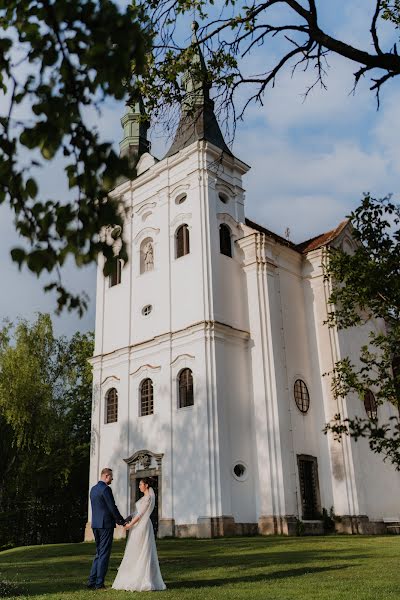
x: 276, y: 568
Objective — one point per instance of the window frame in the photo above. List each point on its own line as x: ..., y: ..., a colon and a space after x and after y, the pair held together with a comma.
x: 117, y: 273
x: 316, y: 514
x: 300, y: 401
x: 149, y: 397
x: 185, y: 241
x: 180, y: 387
x: 370, y: 400
x: 224, y: 240
x: 107, y: 420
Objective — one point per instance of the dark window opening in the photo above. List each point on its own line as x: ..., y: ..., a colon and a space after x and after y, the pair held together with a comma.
x: 115, y: 275
x: 186, y: 388
x: 182, y: 241
x: 146, y: 398
x: 111, y: 406
x: 371, y: 407
x: 225, y: 242
x: 309, y: 487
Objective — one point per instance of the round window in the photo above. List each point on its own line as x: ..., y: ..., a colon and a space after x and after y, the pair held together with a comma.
x: 224, y: 198
x: 146, y: 310
x: 301, y: 396
x: 240, y: 471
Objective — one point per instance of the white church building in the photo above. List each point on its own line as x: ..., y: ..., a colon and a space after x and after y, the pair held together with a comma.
x: 211, y: 350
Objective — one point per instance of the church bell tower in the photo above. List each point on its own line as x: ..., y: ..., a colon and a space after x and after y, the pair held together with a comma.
x: 170, y: 365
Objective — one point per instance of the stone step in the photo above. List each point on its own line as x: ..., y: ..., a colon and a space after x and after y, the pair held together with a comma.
x: 393, y: 528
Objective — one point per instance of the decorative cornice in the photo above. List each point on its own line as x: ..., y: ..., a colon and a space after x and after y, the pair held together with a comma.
x: 181, y: 357
x: 227, y: 218
x: 145, y: 206
x: 200, y: 326
x: 144, y: 368
x: 144, y: 458
x: 255, y: 247
x: 144, y: 233
x: 225, y: 188
x: 179, y: 189
x: 110, y: 377
x: 181, y: 218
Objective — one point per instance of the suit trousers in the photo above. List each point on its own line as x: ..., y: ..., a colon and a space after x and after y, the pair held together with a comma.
x: 104, y: 540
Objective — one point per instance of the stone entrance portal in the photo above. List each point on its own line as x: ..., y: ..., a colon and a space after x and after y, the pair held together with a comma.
x: 145, y: 463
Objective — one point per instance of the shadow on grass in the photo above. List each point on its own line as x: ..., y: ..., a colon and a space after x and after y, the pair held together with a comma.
x: 261, y: 577
x: 64, y: 568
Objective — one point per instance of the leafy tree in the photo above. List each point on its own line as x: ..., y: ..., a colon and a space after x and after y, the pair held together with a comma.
x: 366, y: 289
x: 45, y: 410
x: 58, y: 57
x: 292, y: 35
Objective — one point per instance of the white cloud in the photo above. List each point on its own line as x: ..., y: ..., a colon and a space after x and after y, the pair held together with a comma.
x: 311, y: 161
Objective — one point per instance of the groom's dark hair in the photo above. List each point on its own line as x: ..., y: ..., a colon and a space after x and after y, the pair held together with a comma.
x: 106, y: 471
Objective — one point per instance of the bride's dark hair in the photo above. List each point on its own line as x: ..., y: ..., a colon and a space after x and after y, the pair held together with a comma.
x: 149, y: 481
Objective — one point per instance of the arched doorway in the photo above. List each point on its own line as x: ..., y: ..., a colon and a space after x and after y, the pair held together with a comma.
x: 145, y: 463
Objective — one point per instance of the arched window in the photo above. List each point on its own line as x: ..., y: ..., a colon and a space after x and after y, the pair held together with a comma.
x: 115, y: 275
x: 371, y: 407
x: 185, y: 382
x: 146, y: 255
x: 225, y: 243
x: 146, y: 398
x: 182, y: 241
x: 301, y: 396
x: 111, y: 412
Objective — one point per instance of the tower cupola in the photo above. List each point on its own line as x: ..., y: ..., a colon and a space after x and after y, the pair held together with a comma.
x: 135, y: 126
x: 197, y: 120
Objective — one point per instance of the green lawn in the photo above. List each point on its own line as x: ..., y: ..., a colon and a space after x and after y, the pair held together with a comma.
x: 277, y: 568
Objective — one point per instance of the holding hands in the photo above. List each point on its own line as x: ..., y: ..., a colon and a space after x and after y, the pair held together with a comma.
x: 130, y: 522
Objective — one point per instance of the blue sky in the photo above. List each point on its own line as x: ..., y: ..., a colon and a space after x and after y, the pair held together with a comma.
x: 310, y: 160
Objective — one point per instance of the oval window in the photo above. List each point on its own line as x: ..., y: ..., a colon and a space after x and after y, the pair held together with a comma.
x: 180, y: 199
x: 301, y: 396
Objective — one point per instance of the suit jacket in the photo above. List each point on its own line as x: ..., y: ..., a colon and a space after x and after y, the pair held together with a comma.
x: 104, y: 511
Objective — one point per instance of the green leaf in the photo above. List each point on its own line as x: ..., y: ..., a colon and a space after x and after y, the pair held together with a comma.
x: 18, y: 255
x: 31, y: 188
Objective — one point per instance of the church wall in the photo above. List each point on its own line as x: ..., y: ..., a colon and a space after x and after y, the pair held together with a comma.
x: 235, y: 429
x: 302, y: 363
x: 111, y: 330
x: 278, y: 318
x: 336, y: 471
x: 372, y: 475
x: 191, y: 479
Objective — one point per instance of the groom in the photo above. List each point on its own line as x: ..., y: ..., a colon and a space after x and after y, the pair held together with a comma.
x: 105, y: 515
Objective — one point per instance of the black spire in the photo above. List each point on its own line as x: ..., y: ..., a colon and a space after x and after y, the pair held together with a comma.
x: 198, y: 121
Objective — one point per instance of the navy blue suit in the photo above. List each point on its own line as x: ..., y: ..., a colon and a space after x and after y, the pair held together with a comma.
x: 105, y: 515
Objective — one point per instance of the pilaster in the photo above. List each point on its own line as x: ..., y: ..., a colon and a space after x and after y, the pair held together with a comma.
x: 259, y: 267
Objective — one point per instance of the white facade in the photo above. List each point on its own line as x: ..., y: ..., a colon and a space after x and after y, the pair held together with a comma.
x: 247, y: 326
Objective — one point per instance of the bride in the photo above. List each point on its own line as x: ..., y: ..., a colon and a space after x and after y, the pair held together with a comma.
x: 139, y: 570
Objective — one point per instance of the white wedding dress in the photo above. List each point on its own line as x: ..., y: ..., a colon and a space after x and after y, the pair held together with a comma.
x: 139, y: 570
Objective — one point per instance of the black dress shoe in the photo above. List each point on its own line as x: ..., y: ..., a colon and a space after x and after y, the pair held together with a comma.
x: 90, y: 586
x: 101, y: 587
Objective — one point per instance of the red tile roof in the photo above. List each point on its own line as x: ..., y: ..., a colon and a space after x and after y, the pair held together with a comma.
x: 321, y: 240
x: 312, y: 244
